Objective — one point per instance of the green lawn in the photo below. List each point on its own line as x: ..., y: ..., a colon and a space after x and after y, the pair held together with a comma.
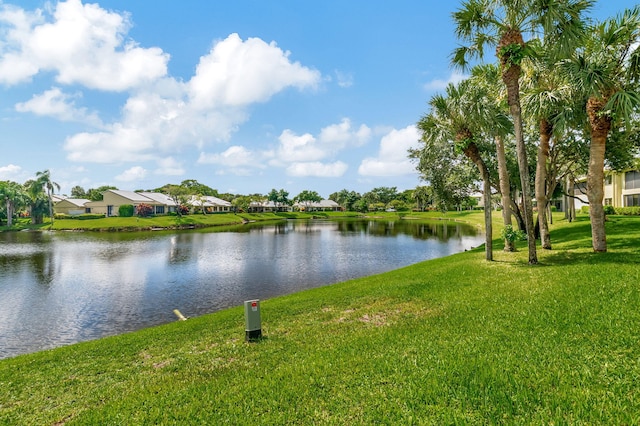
x: 456, y: 340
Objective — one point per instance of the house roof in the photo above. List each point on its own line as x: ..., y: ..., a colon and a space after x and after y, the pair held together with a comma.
x: 159, y: 197
x: 80, y: 202
x: 208, y: 201
x: 133, y: 196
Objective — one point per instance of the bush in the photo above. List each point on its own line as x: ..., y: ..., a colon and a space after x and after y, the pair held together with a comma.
x: 183, y: 209
x: 584, y: 209
x: 511, y: 234
x: 628, y: 211
x: 144, y: 210
x: 609, y: 210
x: 125, y: 210
x: 88, y: 216
x: 553, y: 208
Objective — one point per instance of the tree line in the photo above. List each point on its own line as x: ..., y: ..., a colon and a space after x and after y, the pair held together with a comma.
x: 34, y: 197
x: 556, y: 106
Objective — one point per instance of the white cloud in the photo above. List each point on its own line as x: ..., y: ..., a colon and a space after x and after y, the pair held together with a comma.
x: 210, y: 107
x: 234, y: 156
x: 344, y: 79
x: 392, y: 159
x: 338, y: 136
x: 317, y: 169
x: 81, y: 43
x: 238, y: 73
x: 170, y: 167
x: 298, y: 148
x: 55, y: 103
x: 133, y: 174
x: 439, y: 84
x: 11, y: 172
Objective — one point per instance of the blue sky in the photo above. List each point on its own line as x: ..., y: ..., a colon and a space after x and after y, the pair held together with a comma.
x: 243, y: 96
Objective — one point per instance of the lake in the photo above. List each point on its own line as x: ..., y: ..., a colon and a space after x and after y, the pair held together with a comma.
x: 59, y: 288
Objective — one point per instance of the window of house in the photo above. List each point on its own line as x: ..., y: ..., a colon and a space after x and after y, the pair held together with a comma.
x: 159, y: 209
x: 607, y: 180
x: 608, y: 201
x: 632, y: 200
x: 632, y: 180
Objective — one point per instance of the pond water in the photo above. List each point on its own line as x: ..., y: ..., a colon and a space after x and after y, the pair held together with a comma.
x: 58, y: 288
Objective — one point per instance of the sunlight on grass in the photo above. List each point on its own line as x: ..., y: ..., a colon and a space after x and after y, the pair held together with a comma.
x: 454, y: 340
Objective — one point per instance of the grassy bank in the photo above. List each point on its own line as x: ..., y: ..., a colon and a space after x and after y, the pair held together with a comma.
x: 116, y: 223
x: 453, y: 340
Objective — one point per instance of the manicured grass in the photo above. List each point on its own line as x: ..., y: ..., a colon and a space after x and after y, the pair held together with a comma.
x: 456, y: 340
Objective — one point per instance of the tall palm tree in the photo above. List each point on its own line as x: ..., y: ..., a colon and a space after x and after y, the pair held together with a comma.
x: 457, y: 117
x: 487, y: 76
x: 503, y: 24
x: 44, y: 180
x: 607, y: 73
x: 14, y: 196
x: 548, y: 101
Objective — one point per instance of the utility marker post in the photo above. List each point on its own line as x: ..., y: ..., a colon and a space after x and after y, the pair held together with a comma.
x: 253, y: 329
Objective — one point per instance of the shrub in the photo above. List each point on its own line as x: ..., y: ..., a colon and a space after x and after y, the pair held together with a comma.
x: 511, y: 234
x: 609, y: 210
x: 183, y: 209
x: 553, y: 208
x: 144, y: 210
x: 88, y: 216
x: 628, y: 211
x: 125, y: 210
x: 584, y: 209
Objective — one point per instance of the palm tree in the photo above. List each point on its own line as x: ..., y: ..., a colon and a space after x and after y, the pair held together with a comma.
x: 487, y: 76
x: 548, y: 101
x: 606, y: 72
x: 502, y: 23
x: 14, y: 196
x: 456, y: 117
x: 44, y: 180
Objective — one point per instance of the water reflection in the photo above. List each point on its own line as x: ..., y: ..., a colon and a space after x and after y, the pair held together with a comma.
x: 60, y: 288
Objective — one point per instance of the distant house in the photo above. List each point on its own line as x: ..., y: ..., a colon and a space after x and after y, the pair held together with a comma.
x: 71, y: 206
x: 112, y: 199
x: 210, y: 204
x: 268, y: 207
x: 323, y: 205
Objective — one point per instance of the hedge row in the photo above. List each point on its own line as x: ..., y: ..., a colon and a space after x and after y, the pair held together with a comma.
x: 624, y: 211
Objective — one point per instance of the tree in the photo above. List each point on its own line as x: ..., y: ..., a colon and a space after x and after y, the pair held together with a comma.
x: 78, y: 192
x: 37, y: 200
x: 194, y: 187
x: 14, y: 196
x: 307, y: 197
x: 179, y: 195
x: 422, y: 196
x: 606, y: 71
x: 347, y: 199
x: 457, y: 118
x: 279, y: 198
x: 96, y: 194
x: 502, y: 23
x: 44, y: 178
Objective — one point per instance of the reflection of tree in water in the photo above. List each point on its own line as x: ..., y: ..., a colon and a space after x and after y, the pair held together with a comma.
x: 440, y: 230
x: 34, y: 254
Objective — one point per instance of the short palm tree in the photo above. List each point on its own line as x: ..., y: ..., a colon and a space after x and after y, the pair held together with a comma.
x: 607, y: 74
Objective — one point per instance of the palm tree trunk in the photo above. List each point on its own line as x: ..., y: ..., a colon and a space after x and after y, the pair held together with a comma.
x: 600, y: 125
x: 510, y: 76
x: 541, y: 187
x: 9, y: 212
x: 472, y: 152
x: 503, y: 175
x: 523, y: 166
